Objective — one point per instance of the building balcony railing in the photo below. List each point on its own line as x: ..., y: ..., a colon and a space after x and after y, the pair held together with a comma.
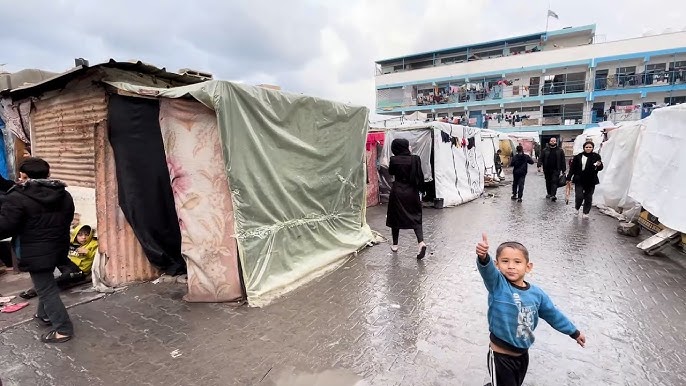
x: 472, y: 93
x: 567, y: 116
x: 643, y: 79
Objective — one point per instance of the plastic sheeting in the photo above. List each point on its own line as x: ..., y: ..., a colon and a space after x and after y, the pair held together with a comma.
x: 458, y: 170
x: 619, y: 154
x: 488, y: 145
x: 594, y: 134
x: 659, y: 180
x: 296, y: 169
x: 420, y: 144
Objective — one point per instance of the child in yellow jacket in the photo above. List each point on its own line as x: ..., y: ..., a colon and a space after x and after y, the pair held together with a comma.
x: 83, y: 248
x: 77, y: 267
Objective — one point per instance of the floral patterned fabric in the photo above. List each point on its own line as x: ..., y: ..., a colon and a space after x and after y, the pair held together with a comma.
x: 203, y: 200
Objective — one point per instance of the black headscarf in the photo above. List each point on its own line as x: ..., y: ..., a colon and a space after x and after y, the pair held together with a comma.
x: 400, y: 146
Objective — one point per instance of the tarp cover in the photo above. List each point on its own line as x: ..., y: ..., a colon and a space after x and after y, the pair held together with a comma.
x: 488, y: 145
x: 594, y: 134
x: 296, y: 170
x: 659, y: 180
x: 458, y: 164
x: 619, y: 154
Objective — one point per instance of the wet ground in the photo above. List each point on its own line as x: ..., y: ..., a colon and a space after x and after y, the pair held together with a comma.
x: 11, y: 284
x: 390, y: 320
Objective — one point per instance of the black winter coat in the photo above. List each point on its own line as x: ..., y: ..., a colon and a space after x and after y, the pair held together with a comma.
x: 552, y: 159
x: 588, y: 176
x: 520, y: 163
x: 37, y: 215
x: 404, y: 205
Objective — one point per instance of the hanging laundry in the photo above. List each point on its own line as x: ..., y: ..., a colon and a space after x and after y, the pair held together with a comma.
x: 445, y: 137
x: 471, y: 143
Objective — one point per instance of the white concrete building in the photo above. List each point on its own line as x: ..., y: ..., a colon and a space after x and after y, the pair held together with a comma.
x: 555, y: 83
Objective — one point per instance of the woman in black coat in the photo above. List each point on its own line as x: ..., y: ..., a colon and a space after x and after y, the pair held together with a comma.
x: 583, y: 172
x: 404, y: 205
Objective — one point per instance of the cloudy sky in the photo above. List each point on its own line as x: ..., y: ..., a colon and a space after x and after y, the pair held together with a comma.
x: 325, y: 48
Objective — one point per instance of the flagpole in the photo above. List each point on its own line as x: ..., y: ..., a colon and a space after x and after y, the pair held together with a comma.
x: 547, y: 19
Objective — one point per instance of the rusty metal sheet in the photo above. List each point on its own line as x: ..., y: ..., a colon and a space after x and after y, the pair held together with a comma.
x: 63, y: 133
x: 126, y: 261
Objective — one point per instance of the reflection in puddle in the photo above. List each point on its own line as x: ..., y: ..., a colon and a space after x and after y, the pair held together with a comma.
x: 292, y: 377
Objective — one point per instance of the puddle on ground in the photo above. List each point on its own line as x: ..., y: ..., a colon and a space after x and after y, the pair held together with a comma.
x: 293, y: 377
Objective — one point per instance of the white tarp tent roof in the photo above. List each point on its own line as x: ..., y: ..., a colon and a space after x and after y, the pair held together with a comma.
x: 594, y: 134
x: 489, y: 144
x: 659, y: 175
x: 458, y: 170
x: 619, y: 154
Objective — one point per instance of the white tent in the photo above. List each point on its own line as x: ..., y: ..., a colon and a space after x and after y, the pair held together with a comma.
x: 619, y: 154
x: 488, y: 145
x: 594, y: 134
x: 532, y: 135
x: 458, y: 167
x: 659, y: 174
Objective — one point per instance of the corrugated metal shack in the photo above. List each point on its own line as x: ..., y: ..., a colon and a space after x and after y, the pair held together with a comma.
x: 68, y: 128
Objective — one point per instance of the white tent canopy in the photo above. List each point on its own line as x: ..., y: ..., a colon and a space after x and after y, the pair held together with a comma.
x: 458, y: 171
x: 489, y: 144
x: 619, y: 154
x: 659, y: 173
x: 594, y: 134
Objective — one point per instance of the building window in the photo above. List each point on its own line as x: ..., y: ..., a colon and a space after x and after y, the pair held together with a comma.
x: 622, y: 103
x: 429, y: 116
x: 626, y: 70
x: 675, y: 100
x: 423, y: 64
x: 517, y: 50
x: 530, y: 109
x: 656, y: 67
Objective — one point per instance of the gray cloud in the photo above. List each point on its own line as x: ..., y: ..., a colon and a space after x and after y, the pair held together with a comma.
x: 283, y: 41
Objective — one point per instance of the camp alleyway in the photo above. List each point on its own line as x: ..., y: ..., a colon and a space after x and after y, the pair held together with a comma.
x: 391, y: 320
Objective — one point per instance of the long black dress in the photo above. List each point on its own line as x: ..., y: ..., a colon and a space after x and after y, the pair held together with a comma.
x: 404, y: 205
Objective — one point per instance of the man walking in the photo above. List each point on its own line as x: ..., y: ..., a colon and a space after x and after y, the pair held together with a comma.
x: 37, y: 213
x: 520, y: 163
x: 553, y: 162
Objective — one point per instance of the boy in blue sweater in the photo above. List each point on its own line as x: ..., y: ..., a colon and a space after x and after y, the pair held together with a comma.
x: 514, y: 307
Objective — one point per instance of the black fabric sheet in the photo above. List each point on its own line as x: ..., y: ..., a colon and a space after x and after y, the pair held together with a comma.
x: 145, y: 193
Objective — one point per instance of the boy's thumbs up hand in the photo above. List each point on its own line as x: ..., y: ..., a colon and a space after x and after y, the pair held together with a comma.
x: 482, y: 247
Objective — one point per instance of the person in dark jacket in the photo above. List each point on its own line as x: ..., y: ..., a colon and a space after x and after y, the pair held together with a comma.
x: 404, y: 205
x: 583, y: 172
x: 498, y: 163
x: 520, y: 163
x: 36, y: 213
x: 553, y: 162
